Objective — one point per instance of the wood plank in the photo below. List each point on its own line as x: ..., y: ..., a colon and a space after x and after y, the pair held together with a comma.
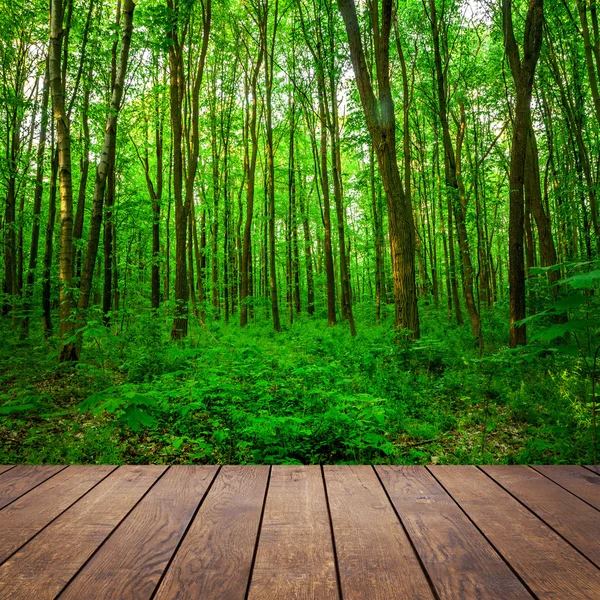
x: 460, y: 561
x: 576, y: 479
x: 43, y: 567
x: 548, y: 565
x: 572, y: 518
x: 215, y: 557
x: 594, y: 468
x: 5, y: 468
x: 375, y: 557
x: 129, y: 565
x: 22, y: 478
x: 295, y: 554
x: 30, y: 513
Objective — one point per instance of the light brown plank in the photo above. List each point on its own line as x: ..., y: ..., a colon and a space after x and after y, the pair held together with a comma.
x: 295, y: 553
x: 578, y: 480
x: 572, y: 518
x: 215, y: 557
x: 549, y: 565
x: 5, y: 468
x: 30, y: 513
x: 460, y: 561
x: 375, y: 558
x: 21, y: 479
x: 594, y: 468
x: 45, y: 565
x: 129, y: 565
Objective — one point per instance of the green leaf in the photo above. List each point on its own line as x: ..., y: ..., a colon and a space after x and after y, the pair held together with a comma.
x: 16, y: 408
x: 558, y: 330
x: 136, y: 417
x: 568, y: 303
x: 582, y: 280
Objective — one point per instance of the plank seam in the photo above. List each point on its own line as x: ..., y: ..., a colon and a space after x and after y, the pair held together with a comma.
x: 193, y: 518
x: 412, y: 544
x: 541, y: 519
x: 260, y: 523
x: 332, y: 533
x: 110, y: 534
x: 485, y: 537
x: 57, y: 516
x: 591, y: 470
x: 10, y: 467
x: 563, y: 487
x: 35, y: 486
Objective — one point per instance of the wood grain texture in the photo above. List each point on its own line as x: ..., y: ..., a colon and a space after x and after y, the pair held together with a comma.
x: 30, y: 513
x: 594, y: 469
x: 459, y: 560
x: 578, y: 480
x: 5, y: 468
x: 375, y: 558
x: 295, y: 557
x: 129, y: 565
x: 22, y: 478
x: 572, y: 518
x: 215, y: 557
x: 43, y: 567
x: 548, y: 565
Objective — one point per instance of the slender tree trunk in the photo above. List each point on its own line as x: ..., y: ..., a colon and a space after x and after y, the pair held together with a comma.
x: 37, y: 205
x: 49, y: 244
x: 523, y: 72
x: 533, y: 190
x: 103, y: 171
x: 84, y: 167
x: 176, y: 91
x: 57, y: 87
x: 454, y: 185
x: 268, y: 50
x: 379, y: 115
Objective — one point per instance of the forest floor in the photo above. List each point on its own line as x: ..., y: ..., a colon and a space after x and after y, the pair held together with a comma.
x: 311, y: 394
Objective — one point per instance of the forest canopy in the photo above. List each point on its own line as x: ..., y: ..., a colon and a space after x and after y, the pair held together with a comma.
x: 299, y: 230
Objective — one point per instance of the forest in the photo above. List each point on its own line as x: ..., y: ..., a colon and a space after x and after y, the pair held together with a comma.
x: 299, y: 231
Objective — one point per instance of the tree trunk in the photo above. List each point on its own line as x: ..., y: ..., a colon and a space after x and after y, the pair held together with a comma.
x: 57, y: 86
x: 379, y: 115
x: 523, y: 72
x: 104, y: 169
x: 37, y: 205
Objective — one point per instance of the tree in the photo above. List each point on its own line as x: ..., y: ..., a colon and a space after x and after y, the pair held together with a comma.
x: 381, y: 122
x: 523, y: 72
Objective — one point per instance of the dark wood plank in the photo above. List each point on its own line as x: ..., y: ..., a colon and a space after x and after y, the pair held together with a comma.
x: 5, y: 468
x: 295, y: 554
x: 460, y: 561
x: 215, y: 557
x: 594, y: 468
x: 22, y: 478
x: 43, y: 567
x: 375, y: 558
x: 30, y: 513
x: 572, y: 518
x: 549, y: 565
x: 578, y: 480
x: 129, y: 565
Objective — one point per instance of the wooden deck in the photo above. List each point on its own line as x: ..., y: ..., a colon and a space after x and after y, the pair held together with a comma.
x: 204, y: 532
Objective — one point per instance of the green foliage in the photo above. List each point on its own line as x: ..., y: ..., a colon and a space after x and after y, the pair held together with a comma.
x: 309, y: 395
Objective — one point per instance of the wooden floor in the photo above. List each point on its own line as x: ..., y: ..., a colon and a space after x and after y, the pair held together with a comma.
x: 204, y: 532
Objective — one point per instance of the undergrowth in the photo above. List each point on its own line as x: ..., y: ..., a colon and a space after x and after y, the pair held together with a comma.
x: 311, y: 394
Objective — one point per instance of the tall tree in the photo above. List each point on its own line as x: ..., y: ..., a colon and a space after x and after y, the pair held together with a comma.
x: 452, y: 168
x: 381, y: 122
x: 72, y: 348
x: 57, y: 74
x: 523, y: 72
